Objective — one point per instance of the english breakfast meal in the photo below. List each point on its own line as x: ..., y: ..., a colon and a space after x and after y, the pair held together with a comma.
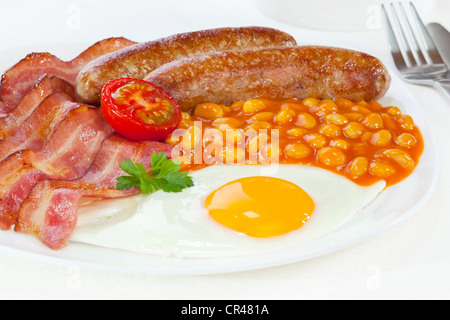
x: 231, y: 137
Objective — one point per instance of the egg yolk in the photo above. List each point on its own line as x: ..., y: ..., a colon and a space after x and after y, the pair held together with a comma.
x: 260, y: 206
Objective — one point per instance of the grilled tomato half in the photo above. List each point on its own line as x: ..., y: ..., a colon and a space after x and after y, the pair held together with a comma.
x: 139, y: 110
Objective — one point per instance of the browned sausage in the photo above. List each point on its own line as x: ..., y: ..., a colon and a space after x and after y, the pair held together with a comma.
x: 138, y: 60
x: 287, y: 72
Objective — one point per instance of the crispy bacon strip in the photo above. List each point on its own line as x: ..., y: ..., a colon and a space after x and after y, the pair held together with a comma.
x: 41, y: 90
x: 50, y: 211
x: 40, y: 125
x: 18, y: 80
x: 68, y: 155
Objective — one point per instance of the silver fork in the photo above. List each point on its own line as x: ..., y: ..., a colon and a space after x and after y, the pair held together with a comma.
x: 415, y: 55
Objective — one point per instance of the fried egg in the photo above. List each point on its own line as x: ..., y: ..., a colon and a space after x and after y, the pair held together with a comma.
x: 232, y: 210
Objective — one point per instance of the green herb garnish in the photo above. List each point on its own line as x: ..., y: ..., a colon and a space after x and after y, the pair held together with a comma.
x: 165, y: 174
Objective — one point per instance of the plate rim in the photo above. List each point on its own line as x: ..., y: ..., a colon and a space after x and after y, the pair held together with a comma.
x: 431, y: 145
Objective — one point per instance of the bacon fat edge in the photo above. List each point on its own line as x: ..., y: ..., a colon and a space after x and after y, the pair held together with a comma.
x: 37, y: 129
x: 67, y: 155
x: 50, y: 210
x: 20, y: 78
x: 46, y: 86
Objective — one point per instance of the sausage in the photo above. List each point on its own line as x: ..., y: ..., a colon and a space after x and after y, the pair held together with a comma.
x: 287, y: 72
x: 138, y: 60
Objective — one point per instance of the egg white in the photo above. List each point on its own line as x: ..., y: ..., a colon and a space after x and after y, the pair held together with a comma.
x: 176, y: 224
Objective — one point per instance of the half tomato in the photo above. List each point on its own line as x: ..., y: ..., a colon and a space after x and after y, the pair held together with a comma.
x: 139, y: 110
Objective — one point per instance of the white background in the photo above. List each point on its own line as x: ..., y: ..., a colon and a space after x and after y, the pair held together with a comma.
x: 409, y: 261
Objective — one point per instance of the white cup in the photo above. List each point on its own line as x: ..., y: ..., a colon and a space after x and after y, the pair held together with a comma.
x: 334, y: 15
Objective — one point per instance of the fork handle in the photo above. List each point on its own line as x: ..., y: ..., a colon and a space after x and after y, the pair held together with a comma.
x: 444, y: 86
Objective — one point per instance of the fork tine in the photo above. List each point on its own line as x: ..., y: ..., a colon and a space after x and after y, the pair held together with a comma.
x: 403, y: 39
x: 395, y: 49
x: 432, y: 52
x: 414, y: 43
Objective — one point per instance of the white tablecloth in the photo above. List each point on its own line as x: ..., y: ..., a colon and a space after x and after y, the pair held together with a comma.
x: 409, y: 261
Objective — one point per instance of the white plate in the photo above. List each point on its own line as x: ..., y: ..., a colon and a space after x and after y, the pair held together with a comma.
x: 396, y: 204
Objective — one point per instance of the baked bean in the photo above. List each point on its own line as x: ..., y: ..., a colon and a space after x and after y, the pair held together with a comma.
x: 263, y: 116
x: 272, y: 151
x: 237, y: 105
x: 297, y: 150
x: 185, y: 124
x: 213, y: 135
x: 173, y: 138
x: 372, y: 121
x: 329, y: 130
x: 310, y: 102
x: 353, y: 116
x: 353, y: 129
x: 405, y: 140
x: 306, y: 120
x: 296, y: 132
x: 256, y: 126
x: 225, y: 126
x: 253, y: 105
x: 374, y: 105
x: 185, y: 116
x: 366, y: 136
x: 362, y: 103
x: 401, y: 157
x: 344, y: 103
x: 381, y: 169
x: 389, y: 122
x: 264, y: 125
x: 315, y: 140
x: 381, y: 138
x: 336, y: 118
x: 340, y: 143
x: 331, y: 156
x: 208, y: 111
x: 233, y: 155
x: 358, y: 166
x: 226, y: 109
x: 299, y: 107
x: 285, y: 115
x: 326, y: 106
x: 212, y: 147
x: 234, y: 136
x: 361, y: 140
x: 191, y: 137
x: 257, y: 141
x: 233, y: 122
x: 393, y: 111
x: 406, y: 122
x: 361, y: 149
x: 360, y: 109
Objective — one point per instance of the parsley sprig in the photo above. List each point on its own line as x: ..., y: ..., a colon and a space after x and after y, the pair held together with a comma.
x: 165, y: 174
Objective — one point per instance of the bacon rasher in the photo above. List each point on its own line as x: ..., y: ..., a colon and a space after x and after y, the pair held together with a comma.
x: 68, y: 155
x: 50, y: 210
x: 19, y: 79
x: 46, y: 86
x: 37, y: 129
